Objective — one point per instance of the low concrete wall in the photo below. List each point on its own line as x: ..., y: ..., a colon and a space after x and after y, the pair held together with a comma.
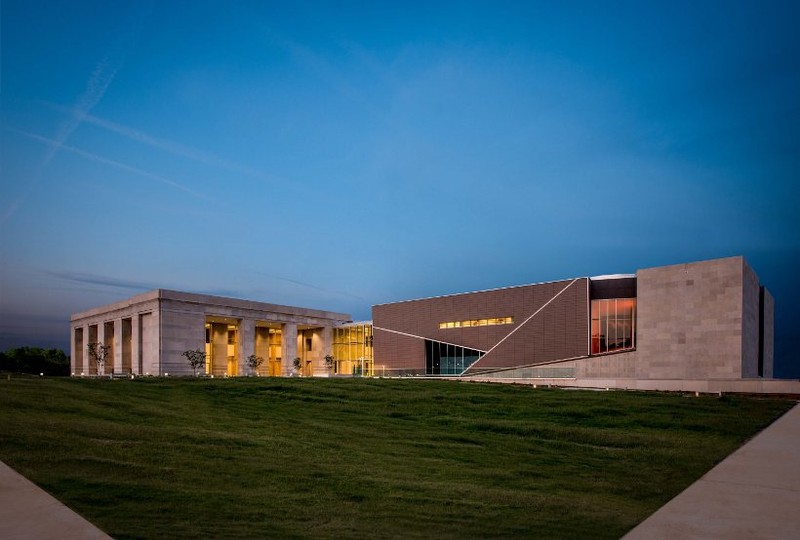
x: 710, y: 386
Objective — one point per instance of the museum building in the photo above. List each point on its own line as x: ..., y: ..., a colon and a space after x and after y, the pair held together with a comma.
x: 708, y: 320
x: 701, y: 320
x: 147, y: 334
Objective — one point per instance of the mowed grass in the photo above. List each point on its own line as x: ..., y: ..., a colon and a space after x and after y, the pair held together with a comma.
x: 363, y: 458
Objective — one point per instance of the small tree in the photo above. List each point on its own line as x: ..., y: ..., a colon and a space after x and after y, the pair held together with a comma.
x: 297, y: 363
x: 98, y: 352
x: 254, y: 362
x: 196, y: 358
x: 329, y: 361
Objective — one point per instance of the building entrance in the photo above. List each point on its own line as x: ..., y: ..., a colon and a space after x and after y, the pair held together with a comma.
x: 222, y: 346
x: 269, y: 340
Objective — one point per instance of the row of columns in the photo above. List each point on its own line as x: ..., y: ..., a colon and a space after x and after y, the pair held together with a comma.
x: 289, y: 351
x: 130, y: 352
x: 135, y: 349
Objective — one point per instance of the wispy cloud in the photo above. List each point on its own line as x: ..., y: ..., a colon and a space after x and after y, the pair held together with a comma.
x: 325, y: 71
x: 141, y: 286
x: 96, y: 88
x: 105, y: 281
x: 166, y: 145
x: 311, y: 286
x: 116, y: 164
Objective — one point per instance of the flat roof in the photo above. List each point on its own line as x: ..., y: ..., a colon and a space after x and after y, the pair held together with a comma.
x: 482, y: 291
x: 210, y: 300
x: 612, y: 276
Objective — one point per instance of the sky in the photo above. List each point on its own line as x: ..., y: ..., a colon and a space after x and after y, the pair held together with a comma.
x: 341, y: 154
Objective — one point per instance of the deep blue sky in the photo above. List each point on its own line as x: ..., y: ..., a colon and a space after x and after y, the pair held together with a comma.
x: 337, y: 155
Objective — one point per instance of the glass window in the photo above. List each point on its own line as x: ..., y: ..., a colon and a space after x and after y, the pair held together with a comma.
x: 448, y: 359
x: 613, y: 325
x: 352, y: 350
x: 476, y: 322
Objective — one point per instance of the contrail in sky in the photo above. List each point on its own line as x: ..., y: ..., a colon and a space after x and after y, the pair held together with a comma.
x: 96, y: 87
x: 117, y: 164
x: 161, y: 144
x: 310, y: 286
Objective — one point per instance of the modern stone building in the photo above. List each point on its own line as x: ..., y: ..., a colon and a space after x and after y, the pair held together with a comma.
x: 705, y: 326
x: 148, y: 333
x: 709, y: 320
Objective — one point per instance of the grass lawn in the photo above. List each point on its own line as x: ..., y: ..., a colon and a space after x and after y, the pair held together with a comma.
x: 254, y: 458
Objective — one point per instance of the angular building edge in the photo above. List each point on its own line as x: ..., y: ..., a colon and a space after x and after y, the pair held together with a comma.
x: 700, y: 321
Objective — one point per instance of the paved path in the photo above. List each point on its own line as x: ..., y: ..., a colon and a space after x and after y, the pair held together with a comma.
x: 29, y: 513
x: 753, y: 494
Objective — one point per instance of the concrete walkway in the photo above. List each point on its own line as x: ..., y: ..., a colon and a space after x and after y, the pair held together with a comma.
x: 30, y: 513
x: 753, y: 494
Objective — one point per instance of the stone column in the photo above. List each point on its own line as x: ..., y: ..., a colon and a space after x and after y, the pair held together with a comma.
x: 117, y: 346
x: 247, y: 341
x: 135, y: 352
x: 84, y: 367
x: 288, y: 348
x: 326, y: 346
x: 151, y: 347
x: 74, y: 368
x: 101, y: 339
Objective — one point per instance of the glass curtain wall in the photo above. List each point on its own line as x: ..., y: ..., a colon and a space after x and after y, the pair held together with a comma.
x: 352, y: 350
x: 448, y: 359
x: 613, y: 325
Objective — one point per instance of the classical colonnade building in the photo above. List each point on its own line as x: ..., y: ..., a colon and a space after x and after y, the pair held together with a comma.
x: 147, y: 334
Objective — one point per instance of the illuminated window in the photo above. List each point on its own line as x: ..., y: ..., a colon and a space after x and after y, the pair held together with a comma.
x: 476, y: 322
x: 613, y: 325
x: 352, y: 350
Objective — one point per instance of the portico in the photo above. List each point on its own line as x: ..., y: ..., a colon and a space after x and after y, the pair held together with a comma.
x: 147, y: 334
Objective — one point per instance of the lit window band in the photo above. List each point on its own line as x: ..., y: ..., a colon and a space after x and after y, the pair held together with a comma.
x: 476, y: 322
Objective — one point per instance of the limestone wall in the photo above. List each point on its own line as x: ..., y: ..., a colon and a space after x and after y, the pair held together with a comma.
x: 689, y: 320
x: 769, y: 335
x: 751, y: 291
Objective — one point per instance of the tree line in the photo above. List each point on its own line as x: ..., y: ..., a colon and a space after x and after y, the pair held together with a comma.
x: 35, y: 360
